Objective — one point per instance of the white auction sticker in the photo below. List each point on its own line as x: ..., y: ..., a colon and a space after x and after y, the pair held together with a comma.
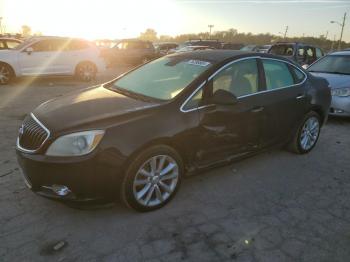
x: 198, y: 62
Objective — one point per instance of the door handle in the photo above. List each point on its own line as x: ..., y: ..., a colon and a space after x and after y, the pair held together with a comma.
x: 300, y: 97
x: 257, y: 109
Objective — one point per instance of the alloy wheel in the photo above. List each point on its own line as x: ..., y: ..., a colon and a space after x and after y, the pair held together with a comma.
x: 156, y: 180
x: 309, y: 133
x: 86, y: 72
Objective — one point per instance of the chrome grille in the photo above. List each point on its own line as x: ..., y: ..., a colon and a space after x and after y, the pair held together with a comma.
x: 32, y: 134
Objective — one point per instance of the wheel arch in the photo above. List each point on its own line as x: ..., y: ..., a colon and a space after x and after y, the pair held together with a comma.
x: 165, y: 141
x: 320, y: 112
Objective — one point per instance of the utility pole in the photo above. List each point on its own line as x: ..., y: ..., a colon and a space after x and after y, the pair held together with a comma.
x: 332, y: 46
x: 210, y: 27
x: 285, y: 32
x: 342, y: 29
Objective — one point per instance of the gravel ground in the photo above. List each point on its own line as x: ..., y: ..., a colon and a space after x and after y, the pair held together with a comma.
x: 275, y: 206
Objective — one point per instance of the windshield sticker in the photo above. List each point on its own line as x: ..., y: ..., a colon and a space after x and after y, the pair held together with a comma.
x: 198, y: 63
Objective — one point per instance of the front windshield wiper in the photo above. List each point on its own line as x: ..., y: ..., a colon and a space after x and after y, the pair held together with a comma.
x: 132, y: 94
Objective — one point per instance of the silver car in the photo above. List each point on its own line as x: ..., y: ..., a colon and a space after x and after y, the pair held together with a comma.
x: 335, y: 67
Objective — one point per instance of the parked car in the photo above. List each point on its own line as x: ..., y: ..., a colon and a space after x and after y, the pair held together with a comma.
x: 164, y: 48
x: 250, y: 48
x: 232, y: 46
x: 47, y: 56
x: 139, y: 134
x: 264, y: 48
x: 191, y: 48
x: 335, y: 68
x: 213, y: 43
x: 9, y: 43
x: 300, y: 53
x: 130, y: 51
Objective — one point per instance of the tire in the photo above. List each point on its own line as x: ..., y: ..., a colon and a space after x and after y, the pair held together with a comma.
x: 86, y: 71
x: 307, y: 134
x: 6, y: 74
x: 145, y: 188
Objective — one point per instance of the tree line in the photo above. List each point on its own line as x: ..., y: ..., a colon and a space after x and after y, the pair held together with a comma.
x: 233, y: 36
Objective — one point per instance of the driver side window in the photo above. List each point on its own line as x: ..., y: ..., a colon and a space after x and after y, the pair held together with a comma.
x: 42, y: 46
x: 240, y: 78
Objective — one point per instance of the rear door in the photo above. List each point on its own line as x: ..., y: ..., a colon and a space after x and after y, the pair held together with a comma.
x: 284, y: 100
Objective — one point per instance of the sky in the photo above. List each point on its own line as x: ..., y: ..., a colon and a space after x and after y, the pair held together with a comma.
x: 116, y: 19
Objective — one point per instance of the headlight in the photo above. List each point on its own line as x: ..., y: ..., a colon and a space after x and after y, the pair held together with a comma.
x: 341, y: 91
x: 75, y: 144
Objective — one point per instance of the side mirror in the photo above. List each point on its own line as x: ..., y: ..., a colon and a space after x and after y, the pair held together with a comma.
x: 223, y: 97
x: 29, y: 50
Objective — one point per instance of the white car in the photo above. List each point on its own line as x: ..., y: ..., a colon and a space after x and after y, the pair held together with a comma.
x: 46, y: 56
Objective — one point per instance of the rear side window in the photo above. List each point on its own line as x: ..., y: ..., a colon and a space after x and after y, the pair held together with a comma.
x: 277, y: 74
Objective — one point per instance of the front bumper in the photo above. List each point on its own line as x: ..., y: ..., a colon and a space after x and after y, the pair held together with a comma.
x: 340, y: 106
x: 87, y: 178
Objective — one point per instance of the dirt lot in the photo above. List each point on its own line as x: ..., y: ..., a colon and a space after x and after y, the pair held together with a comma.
x: 276, y: 206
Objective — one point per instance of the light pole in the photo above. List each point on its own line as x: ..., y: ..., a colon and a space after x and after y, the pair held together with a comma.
x: 210, y: 27
x: 342, y: 29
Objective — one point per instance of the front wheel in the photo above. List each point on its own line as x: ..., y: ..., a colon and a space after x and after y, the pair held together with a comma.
x: 86, y: 71
x: 152, y: 179
x: 6, y: 74
x: 307, y: 134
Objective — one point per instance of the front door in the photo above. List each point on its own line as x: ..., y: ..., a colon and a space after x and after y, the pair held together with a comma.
x: 227, y: 131
x: 37, y: 61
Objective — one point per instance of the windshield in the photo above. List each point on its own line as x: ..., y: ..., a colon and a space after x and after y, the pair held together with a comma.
x: 25, y: 43
x: 163, y: 78
x: 284, y: 50
x: 337, y: 64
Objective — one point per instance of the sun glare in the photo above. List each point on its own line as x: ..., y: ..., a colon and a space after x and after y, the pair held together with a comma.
x: 94, y: 19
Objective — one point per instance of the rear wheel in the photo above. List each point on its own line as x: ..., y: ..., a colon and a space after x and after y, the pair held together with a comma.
x: 152, y: 179
x: 86, y: 71
x: 6, y: 74
x: 307, y: 134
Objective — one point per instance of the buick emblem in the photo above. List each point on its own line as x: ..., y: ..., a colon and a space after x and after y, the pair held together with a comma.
x: 21, y: 130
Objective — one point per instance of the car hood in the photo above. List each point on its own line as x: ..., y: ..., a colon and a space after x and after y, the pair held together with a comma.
x: 95, y: 107
x: 335, y: 80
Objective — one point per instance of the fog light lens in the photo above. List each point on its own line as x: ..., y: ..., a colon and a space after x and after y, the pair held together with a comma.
x: 60, y: 190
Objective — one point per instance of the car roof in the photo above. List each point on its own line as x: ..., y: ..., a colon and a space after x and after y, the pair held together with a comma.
x: 10, y: 39
x: 344, y: 52
x: 55, y: 37
x: 217, y: 56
